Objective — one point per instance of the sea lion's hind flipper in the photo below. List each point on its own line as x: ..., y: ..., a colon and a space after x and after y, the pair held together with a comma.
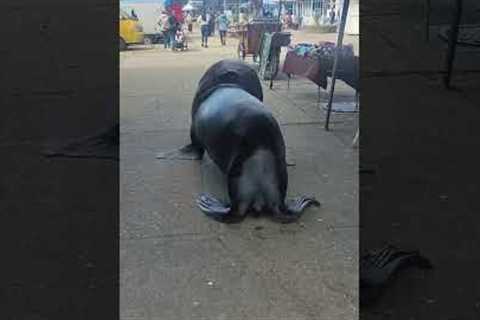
x: 295, y: 208
x: 213, y: 207
x: 297, y: 205
x: 188, y: 152
x: 377, y: 268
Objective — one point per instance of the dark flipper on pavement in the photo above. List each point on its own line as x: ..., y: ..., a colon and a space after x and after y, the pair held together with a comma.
x: 104, y: 145
x: 188, y: 152
x: 216, y: 210
x: 378, y: 268
x: 295, y: 208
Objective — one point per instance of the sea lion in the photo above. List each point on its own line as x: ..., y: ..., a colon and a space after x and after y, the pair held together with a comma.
x: 222, y: 73
x: 244, y: 140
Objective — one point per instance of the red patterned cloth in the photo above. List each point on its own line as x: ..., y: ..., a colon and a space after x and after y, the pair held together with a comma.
x: 177, y: 12
x: 306, y: 67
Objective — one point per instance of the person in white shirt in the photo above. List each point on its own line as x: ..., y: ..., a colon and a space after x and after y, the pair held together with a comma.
x: 164, y: 27
x: 294, y: 22
x: 189, y: 21
x: 180, y: 38
x: 242, y: 18
x: 203, y: 21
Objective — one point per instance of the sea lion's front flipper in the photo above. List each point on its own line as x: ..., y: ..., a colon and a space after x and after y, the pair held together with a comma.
x: 295, y: 208
x: 188, y: 152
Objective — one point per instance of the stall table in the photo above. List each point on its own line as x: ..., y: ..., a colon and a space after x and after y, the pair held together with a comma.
x: 251, y: 36
x: 317, y: 69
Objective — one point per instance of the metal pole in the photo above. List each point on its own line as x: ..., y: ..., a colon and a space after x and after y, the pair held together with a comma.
x: 280, y: 10
x: 452, y: 42
x: 427, y: 19
x: 341, y: 32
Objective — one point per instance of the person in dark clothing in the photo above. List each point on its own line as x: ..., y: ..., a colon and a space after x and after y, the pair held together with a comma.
x: 134, y: 15
x: 211, y: 24
x: 172, y: 23
x: 332, y: 15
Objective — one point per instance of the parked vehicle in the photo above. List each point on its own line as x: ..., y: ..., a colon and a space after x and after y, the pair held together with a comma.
x: 131, y: 30
x: 148, y: 14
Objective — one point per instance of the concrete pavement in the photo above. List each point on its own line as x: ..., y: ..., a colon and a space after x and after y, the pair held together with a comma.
x: 178, y: 264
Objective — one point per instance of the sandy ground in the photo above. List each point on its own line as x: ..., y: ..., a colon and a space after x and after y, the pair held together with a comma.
x: 176, y: 263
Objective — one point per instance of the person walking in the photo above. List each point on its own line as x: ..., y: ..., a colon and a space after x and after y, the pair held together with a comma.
x: 332, y: 15
x: 134, y: 15
x: 189, y: 21
x: 211, y: 24
x: 242, y: 18
x: 223, y: 23
x: 286, y: 20
x: 294, y: 22
x: 172, y: 29
x: 163, y: 23
x: 204, y: 26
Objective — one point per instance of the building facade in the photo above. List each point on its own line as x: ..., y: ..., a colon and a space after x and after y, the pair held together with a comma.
x: 353, y: 21
x: 317, y: 12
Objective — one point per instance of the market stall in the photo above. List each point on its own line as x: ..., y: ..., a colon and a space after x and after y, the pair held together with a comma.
x: 251, y: 35
x: 315, y: 62
x: 270, y: 48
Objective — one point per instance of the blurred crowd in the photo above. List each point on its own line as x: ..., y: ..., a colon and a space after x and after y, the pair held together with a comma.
x: 175, y: 27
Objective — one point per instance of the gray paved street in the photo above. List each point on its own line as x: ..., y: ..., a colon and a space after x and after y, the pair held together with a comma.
x: 178, y: 264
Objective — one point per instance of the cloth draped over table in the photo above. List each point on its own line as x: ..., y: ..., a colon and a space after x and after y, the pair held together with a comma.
x: 270, y: 52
